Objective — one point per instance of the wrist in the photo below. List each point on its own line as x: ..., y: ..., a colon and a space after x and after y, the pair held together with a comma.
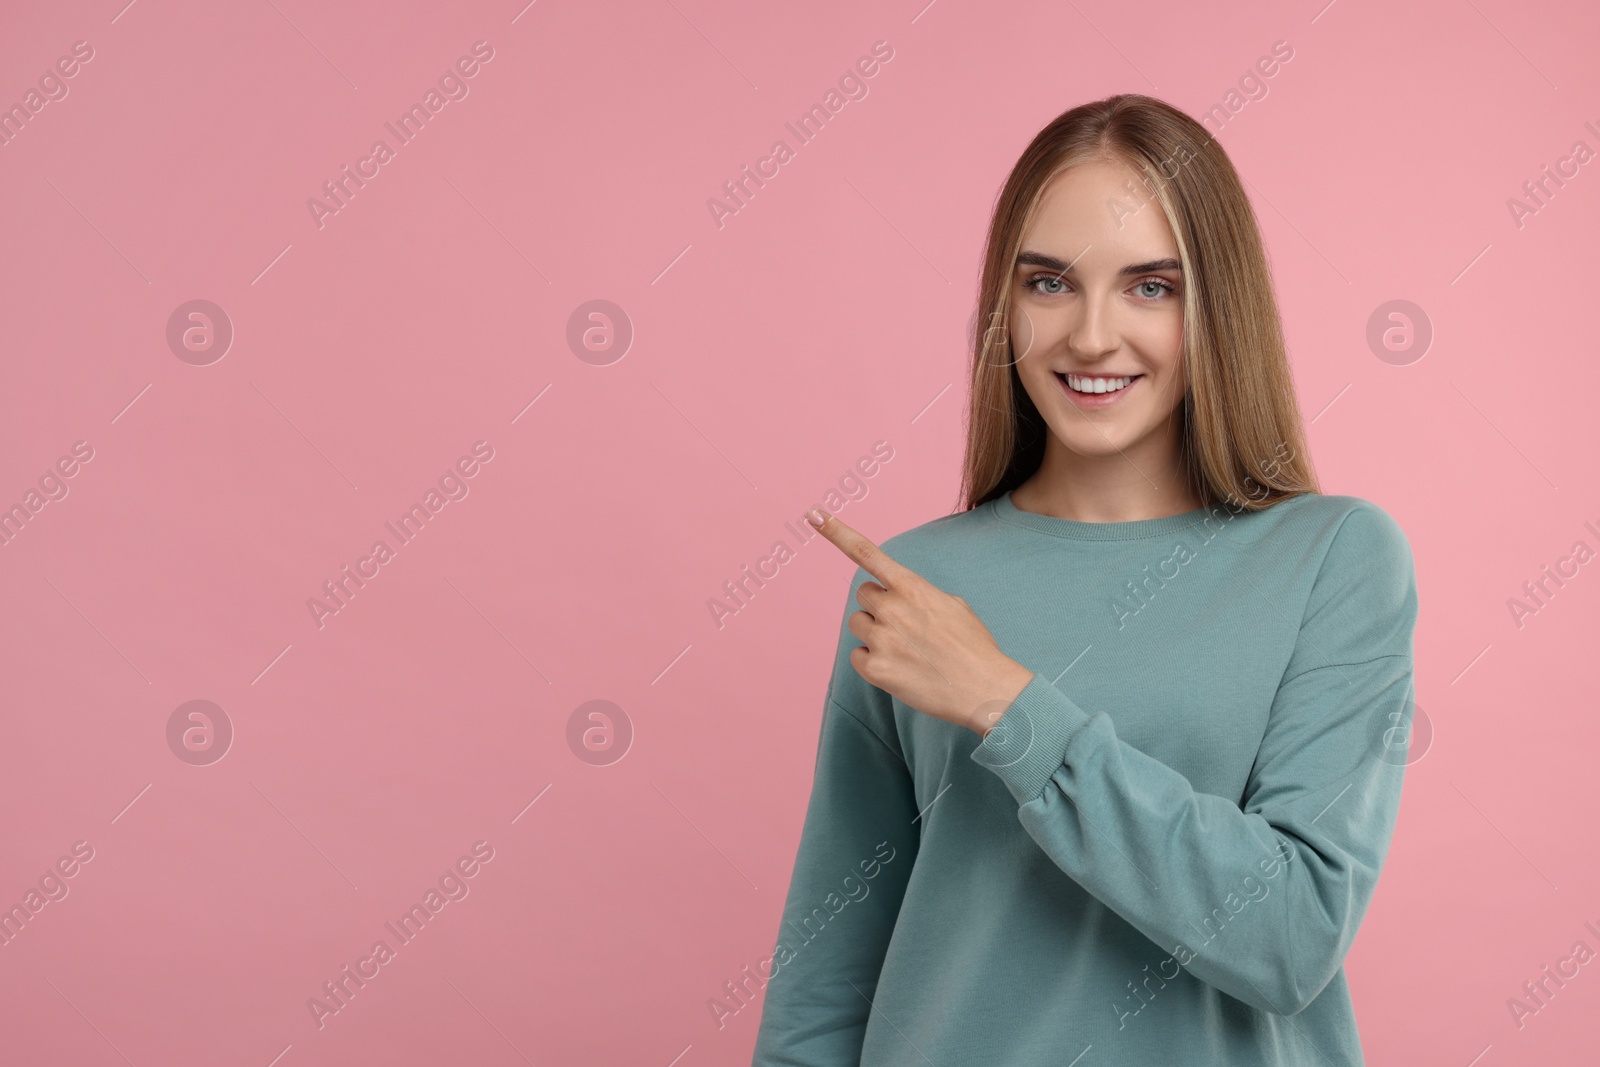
x: 1010, y: 680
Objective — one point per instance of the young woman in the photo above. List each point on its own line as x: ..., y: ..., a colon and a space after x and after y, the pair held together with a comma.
x: 1106, y: 772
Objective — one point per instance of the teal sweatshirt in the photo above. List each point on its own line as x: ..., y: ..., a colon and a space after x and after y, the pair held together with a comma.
x: 1163, y: 851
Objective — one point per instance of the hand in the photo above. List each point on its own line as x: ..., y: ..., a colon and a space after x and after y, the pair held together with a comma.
x: 922, y: 645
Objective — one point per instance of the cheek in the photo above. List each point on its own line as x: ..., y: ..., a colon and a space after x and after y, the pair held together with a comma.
x: 1162, y: 346
x: 1024, y: 335
x: 1036, y: 332
x: 1174, y: 384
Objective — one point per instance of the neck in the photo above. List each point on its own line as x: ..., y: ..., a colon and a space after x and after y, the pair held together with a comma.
x: 1115, y: 488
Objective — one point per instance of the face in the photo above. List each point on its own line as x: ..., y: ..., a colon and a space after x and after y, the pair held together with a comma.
x: 1097, y: 299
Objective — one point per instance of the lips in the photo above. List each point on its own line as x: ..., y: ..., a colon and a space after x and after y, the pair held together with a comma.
x: 1131, y: 378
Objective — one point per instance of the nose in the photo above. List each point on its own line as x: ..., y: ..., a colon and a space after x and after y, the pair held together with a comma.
x: 1093, y: 335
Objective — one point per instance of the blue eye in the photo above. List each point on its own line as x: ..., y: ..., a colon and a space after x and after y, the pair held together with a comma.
x: 1056, y: 286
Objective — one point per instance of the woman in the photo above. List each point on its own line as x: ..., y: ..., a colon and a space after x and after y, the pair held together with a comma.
x: 1147, y: 830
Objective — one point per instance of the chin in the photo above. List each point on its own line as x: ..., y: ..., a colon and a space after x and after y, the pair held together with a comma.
x: 1112, y: 444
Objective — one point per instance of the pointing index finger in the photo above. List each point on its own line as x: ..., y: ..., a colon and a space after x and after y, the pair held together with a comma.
x: 867, y: 555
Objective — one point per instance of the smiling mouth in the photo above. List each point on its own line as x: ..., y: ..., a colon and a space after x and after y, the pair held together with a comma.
x: 1093, y: 385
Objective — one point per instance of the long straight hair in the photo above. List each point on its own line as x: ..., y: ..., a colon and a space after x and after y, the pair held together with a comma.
x: 1241, y: 436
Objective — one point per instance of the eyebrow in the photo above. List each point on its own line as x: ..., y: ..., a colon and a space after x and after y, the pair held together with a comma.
x: 1039, y: 259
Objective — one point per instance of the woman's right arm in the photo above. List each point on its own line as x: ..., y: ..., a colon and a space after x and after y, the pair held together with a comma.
x: 856, y: 851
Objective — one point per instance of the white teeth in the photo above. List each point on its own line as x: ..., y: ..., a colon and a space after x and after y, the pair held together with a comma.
x: 1081, y: 384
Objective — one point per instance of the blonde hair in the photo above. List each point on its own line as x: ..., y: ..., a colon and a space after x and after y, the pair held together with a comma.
x: 1242, y: 438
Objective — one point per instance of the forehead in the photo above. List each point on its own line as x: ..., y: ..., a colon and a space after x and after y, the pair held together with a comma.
x: 1092, y: 207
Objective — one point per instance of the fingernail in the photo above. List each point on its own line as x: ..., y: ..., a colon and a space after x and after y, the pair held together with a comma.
x: 815, y: 517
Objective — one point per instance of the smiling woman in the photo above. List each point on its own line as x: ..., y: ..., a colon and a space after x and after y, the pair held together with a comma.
x: 1092, y: 290
x: 1077, y: 796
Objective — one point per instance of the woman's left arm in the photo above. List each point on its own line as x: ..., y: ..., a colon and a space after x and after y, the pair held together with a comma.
x: 1260, y: 898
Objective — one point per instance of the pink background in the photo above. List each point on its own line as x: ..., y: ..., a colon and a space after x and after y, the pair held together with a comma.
x: 768, y: 356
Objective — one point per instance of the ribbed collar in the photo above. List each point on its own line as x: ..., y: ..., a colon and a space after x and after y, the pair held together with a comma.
x: 1006, y: 511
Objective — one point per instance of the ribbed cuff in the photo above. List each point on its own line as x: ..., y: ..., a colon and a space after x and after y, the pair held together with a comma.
x: 1030, y: 740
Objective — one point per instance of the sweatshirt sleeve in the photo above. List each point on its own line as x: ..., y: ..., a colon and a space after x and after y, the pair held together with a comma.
x: 857, y: 846
x: 1259, y: 898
